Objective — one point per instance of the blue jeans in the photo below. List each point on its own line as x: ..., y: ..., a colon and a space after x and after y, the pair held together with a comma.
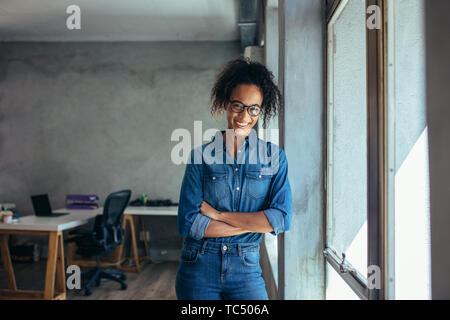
x: 216, y: 271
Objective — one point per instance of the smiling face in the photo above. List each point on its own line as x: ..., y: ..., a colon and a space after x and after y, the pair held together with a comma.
x: 249, y: 95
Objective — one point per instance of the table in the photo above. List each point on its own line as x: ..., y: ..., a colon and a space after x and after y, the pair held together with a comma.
x: 53, y: 228
x: 128, y: 217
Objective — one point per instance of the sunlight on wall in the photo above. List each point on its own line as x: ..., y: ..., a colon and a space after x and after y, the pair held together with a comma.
x: 412, y: 224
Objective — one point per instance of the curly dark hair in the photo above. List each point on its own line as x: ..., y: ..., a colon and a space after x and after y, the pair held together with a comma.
x: 244, y: 71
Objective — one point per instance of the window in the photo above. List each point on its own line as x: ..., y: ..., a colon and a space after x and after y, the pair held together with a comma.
x: 347, y: 138
x: 377, y: 152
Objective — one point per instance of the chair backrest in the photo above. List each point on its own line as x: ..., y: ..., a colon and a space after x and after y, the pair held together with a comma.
x: 108, y: 226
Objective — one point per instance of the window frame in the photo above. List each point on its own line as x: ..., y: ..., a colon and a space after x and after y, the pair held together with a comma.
x: 377, y: 175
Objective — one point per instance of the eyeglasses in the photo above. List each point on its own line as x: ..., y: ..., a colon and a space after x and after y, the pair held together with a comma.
x: 238, y: 107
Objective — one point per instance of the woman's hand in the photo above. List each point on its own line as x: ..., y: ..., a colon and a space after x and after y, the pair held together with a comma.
x: 209, y: 211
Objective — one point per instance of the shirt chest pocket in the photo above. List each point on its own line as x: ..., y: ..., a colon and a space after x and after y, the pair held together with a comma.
x: 215, y: 186
x: 257, y: 185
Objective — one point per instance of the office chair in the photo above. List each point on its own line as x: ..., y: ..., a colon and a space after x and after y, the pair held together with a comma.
x: 106, y: 235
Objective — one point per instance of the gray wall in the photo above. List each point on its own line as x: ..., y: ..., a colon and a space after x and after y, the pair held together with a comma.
x: 301, y: 268
x: 271, y: 45
x: 438, y: 113
x: 98, y: 117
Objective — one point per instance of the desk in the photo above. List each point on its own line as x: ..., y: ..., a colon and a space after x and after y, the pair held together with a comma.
x: 53, y: 228
x: 128, y: 217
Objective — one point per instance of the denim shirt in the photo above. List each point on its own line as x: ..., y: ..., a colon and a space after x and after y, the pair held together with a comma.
x: 256, y: 180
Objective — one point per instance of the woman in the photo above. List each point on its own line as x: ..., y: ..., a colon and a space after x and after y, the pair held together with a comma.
x: 235, y: 188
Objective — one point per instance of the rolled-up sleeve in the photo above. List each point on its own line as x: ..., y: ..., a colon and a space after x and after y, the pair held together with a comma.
x: 191, y: 223
x: 279, y: 211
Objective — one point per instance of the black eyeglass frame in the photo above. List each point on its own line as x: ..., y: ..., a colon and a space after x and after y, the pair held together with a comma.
x: 243, y: 106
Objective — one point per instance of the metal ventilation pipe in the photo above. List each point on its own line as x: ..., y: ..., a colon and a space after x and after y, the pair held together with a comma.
x: 250, y: 15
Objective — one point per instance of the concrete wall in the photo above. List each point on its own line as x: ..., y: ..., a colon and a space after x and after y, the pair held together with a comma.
x: 438, y: 113
x: 301, y: 268
x: 98, y: 117
x: 271, y: 45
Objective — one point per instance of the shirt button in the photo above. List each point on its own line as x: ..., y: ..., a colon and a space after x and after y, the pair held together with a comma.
x: 214, y: 178
x: 225, y: 248
x: 237, y: 188
x: 260, y: 176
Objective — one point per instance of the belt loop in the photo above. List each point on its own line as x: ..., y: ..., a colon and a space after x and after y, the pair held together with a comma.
x: 202, y: 250
x: 239, y: 249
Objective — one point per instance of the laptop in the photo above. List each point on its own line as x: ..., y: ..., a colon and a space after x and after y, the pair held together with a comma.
x: 41, y: 206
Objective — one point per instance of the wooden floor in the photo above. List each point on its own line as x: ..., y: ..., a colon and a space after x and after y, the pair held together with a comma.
x: 155, y: 282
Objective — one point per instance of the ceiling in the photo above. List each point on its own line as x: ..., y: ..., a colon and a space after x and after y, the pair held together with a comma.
x: 121, y: 20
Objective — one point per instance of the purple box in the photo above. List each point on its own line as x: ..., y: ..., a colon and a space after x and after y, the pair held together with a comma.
x: 81, y: 201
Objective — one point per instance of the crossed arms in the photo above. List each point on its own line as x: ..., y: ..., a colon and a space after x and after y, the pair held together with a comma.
x: 198, y: 219
x: 226, y: 224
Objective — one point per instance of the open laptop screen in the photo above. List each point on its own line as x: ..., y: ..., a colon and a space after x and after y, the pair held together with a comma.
x: 41, y: 205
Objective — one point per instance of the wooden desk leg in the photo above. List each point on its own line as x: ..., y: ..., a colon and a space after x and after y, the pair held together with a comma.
x: 134, y: 242
x: 51, y: 265
x: 121, y: 251
x: 7, y: 262
x: 129, y: 218
x: 147, y: 249
x: 60, y: 270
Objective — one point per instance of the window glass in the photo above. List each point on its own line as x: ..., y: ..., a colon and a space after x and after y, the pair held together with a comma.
x: 347, y: 136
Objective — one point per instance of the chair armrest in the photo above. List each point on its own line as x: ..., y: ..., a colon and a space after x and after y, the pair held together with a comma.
x: 84, y: 238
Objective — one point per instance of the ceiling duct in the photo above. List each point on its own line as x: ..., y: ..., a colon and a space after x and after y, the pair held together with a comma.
x: 250, y: 14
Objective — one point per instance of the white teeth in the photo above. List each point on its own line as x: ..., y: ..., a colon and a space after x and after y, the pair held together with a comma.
x: 242, y: 124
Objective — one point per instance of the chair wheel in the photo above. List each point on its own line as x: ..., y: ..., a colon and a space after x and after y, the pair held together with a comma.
x: 123, y: 277
x: 123, y: 286
x: 87, y: 292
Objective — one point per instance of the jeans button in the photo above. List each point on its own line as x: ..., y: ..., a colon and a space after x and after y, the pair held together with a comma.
x: 225, y: 248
